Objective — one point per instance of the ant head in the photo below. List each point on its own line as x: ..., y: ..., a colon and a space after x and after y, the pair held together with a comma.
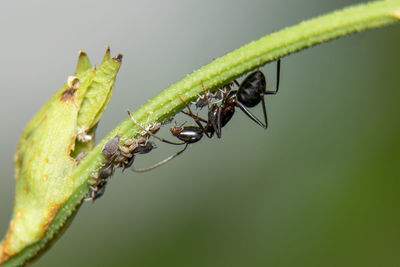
x: 175, y: 130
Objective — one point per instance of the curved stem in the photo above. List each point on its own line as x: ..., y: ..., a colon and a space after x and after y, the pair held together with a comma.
x: 215, y: 74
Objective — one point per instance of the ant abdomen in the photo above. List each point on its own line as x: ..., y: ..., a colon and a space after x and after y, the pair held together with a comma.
x: 187, y: 134
x: 251, y: 89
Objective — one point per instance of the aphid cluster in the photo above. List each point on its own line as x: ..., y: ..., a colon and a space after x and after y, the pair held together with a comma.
x: 221, y: 108
x: 119, y: 156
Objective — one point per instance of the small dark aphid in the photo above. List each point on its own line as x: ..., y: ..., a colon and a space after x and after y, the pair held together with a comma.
x: 128, y: 163
x: 223, y: 92
x: 204, y: 100
x: 97, y: 189
x: 80, y: 156
x: 133, y: 147
x: 100, y: 189
x: 124, y: 162
x: 105, y: 172
x: 144, y: 148
x: 99, y: 181
x: 111, y: 147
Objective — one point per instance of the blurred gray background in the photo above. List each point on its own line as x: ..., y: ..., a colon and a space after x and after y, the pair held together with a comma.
x: 318, y: 188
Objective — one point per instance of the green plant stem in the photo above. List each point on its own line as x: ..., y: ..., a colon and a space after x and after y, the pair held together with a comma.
x: 215, y: 74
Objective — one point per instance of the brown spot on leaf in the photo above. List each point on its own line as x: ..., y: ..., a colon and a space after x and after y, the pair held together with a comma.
x: 118, y: 58
x: 51, y: 213
x: 46, y: 160
x: 4, y: 255
x: 68, y: 95
x: 5, y: 252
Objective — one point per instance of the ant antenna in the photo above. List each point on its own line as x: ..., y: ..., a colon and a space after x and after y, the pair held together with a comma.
x: 158, y: 164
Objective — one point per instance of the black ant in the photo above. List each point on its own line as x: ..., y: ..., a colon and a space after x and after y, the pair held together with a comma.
x: 250, y: 93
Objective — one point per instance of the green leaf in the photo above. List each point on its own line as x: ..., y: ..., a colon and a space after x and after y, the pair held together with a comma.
x: 44, y: 161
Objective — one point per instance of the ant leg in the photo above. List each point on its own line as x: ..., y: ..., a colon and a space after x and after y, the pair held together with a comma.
x: 205, y: 94
x: 218, y: 123
x: 194, y: 116
x: 278, y: 74
x: 150, y: 133
x: 264, y: 111
x: 252, y: 116
x: 197, y: 119
x: 278, y: 71
x: 161, y: 162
